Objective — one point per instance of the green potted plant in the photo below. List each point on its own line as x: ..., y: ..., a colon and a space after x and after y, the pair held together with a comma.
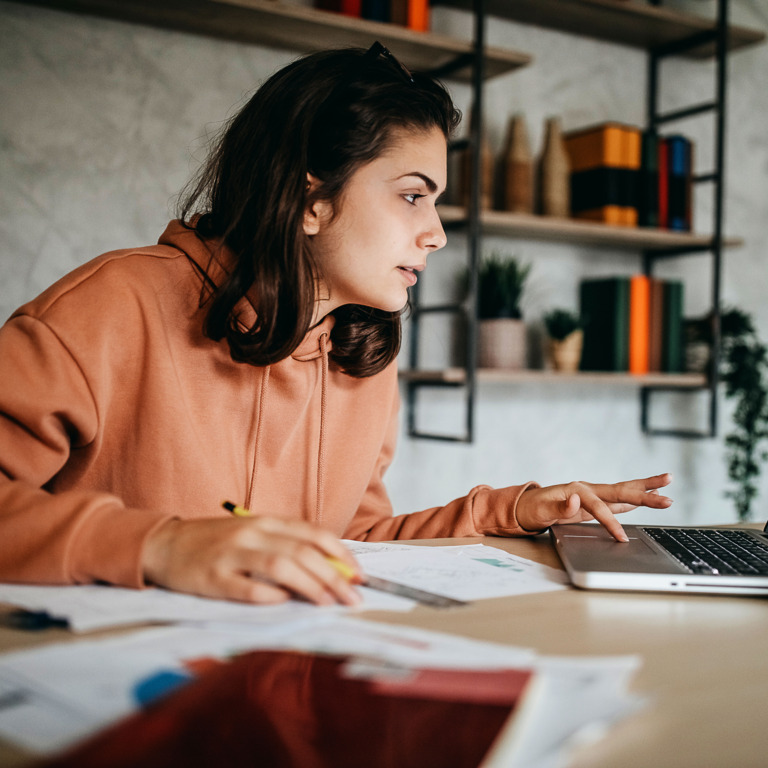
x: 565, y: 330
x: 501, y: 332
x: 744, y: 372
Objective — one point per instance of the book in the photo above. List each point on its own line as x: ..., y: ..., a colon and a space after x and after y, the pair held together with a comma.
x: 673, y: 347
x: 639, y: 323
x: 604, y: 305
x: 347, y: 7
x: 375, y: 10
x: 678, y: 182
x: 656, y: 325
x: 398, y: 12
x: 605, y: 163
x: 418, y: 15
x: 663, y: 176
x: 648, y: 181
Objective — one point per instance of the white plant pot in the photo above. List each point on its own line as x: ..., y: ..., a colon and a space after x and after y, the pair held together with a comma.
x: 502, y: 343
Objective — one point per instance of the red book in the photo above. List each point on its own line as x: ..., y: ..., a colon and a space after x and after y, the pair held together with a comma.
x: 663, y: 184
x: 639, y: 323
x: 352, y: 8
x: 347, y: 7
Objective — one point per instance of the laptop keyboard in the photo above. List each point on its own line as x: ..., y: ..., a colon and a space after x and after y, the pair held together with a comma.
x: 713, y: 552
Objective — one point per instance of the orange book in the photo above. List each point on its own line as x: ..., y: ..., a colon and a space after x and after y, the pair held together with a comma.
x: 607, y: 214
x: 418, y: 15
x: 604, y: 162
x: 599, y: 146
x: 639, y: 323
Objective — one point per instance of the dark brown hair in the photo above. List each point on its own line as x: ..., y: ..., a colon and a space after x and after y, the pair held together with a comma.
x: 328, y: 114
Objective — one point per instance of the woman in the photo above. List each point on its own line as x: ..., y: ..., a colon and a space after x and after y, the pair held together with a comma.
x: 250, y: 355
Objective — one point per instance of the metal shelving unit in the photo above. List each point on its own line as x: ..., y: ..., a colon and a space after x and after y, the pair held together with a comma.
x: 663, y: 33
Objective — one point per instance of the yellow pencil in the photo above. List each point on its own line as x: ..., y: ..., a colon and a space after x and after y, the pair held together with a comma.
x: 236, y: 509
x: 347, y: 571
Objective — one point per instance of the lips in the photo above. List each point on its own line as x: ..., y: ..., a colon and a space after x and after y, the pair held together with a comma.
x: 409, y: 273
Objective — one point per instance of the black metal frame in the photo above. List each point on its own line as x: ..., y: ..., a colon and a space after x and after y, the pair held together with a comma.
x: 717, y: 178
x: 467, y: 310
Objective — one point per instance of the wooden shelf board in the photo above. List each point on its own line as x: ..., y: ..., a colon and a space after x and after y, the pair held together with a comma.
x: 630, y: 22
x: 293, y: 27
x: 530, y: 227
x: 501, y: 376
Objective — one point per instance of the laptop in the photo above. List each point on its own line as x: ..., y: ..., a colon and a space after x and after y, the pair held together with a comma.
x: 726, y: 561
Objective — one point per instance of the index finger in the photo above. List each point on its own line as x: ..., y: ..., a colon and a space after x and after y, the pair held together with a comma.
x: 593, y: 505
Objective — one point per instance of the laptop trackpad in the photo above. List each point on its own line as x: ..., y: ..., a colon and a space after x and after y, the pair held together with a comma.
x: 597, y: 550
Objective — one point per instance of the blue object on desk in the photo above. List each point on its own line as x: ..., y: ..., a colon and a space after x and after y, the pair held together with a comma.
x: 159, y: 684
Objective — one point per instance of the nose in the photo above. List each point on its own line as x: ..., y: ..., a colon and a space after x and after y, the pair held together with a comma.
x: 433, y: 237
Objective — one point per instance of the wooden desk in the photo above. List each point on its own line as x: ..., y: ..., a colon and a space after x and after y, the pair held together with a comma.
x: 705, y: 663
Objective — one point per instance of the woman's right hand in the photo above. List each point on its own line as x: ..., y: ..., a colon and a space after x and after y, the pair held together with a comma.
x: 254, y: 560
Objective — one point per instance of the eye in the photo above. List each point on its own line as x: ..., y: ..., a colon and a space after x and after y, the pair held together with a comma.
x: 412, y: 198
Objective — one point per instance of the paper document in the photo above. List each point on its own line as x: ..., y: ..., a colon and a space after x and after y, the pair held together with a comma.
x: 467, y: 572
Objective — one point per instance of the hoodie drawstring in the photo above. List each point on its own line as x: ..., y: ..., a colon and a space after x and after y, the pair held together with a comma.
x: 320, y: 495
x: 321, y: 440
x: 257, y: 447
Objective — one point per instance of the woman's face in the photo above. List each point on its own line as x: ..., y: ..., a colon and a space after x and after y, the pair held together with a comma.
x: 386, y: 226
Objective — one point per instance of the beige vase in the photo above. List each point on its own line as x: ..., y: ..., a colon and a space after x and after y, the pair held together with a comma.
x: 516, y: 169
x: 565, y: 354
x: 502, y: 343
x: 554, y: 173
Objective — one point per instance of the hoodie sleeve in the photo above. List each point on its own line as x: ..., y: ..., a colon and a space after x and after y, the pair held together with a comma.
x: 484, y: 511
x: 47, y: 413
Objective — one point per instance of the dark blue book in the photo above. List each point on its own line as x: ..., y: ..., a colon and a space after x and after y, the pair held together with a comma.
x: 679, y: 181
x: 648, y: 182
x: 376, y: 10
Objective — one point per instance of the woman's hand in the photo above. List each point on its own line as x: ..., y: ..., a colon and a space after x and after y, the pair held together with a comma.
x: 253, y: 560
x: 538, y: 508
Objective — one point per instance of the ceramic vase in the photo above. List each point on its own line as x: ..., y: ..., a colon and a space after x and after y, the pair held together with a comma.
x: 516, y: 169
x: 554, y: 173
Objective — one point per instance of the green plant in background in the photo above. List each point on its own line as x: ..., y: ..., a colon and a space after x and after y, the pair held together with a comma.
x: 744, y: 371
x: 561, y: 323
x: 501, y: 281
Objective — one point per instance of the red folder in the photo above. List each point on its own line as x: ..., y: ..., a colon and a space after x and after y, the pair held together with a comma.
x: 278, y: 709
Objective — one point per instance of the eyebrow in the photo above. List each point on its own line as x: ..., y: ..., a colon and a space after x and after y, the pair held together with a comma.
x: 431, y: 185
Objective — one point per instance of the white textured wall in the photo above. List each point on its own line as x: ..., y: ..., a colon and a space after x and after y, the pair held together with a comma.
x: 101, y: 124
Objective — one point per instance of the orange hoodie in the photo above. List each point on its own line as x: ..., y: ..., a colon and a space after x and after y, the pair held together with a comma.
x: 117, y: 413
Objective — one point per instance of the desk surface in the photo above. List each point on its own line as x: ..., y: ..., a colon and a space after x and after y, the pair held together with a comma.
x: 705, y: 662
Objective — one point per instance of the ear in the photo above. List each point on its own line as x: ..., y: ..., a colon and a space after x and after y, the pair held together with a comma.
x: 316, y: 214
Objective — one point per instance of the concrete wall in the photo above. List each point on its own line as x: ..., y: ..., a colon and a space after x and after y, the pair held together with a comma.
x: 102, y: 123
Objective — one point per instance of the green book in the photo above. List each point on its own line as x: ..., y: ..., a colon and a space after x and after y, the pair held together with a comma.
x: 673, y: 350
x: 605, y: 309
